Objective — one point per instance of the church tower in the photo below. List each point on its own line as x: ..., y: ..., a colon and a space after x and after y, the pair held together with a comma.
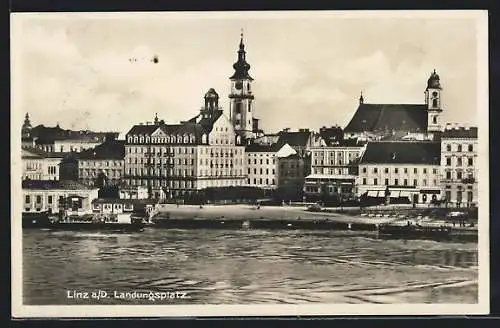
x: 433, y: 102
x: 241, y: 97
x: 26, y: 128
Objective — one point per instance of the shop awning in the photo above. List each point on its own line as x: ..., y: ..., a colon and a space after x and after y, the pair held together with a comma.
x: 373, y: 193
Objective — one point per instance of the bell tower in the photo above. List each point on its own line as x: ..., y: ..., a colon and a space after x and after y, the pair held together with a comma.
x: 433, y: 102
x: 26, y: 128
x: 241, y: 97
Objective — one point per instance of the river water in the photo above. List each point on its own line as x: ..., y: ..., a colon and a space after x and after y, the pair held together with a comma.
x: 243, y: 267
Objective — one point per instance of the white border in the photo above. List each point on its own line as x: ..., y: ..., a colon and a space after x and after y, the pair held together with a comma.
x: 21, y: 311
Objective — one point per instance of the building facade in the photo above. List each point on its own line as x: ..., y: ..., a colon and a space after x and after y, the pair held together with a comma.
x: 175, y: 160
x: 292, y: 170
x: 408, y: 169
x: 262, y: 164
x: 107, y: 159
x: 56, y: 139
x: 334, y: 170
x: 40, y: 165
x: 43, y: 195
x: 459, y: 165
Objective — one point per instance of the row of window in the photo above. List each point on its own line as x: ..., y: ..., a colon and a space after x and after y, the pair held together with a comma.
x: 458, y: 175
x: 332, y: 154
x: 405, y: 182
x: 185, y: 184
x: 100, y: 163
x: 261, y: 171
x: 167, y: 151
x: 33, y: 166
x: 459, y: 196
x: 396, y: 170
x: 185, y: 173
x: 94, y: 172
x: 339, y: 162
x: 164, y: 139
x: 267, y: 161
x: 52, y: 170
x: 261, y: 181
x: 459, y: 147
x: 459, y: 161
x: 330, y: 171
x: 38, y: 199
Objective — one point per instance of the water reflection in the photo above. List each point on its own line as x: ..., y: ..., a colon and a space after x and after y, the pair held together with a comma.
x: 248, y: 267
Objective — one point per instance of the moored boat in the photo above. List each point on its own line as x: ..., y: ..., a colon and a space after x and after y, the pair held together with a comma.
x: 93, y: 222
x: 412, y: 231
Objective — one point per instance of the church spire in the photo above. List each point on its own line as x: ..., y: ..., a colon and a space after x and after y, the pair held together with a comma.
x: 241, y: 67
x: 361, y: 99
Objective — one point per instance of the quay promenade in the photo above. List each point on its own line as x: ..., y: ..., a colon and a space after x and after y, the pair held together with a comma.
x: 296, y: 217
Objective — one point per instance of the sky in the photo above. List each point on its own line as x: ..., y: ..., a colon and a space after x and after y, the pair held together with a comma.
x: 75, y: 70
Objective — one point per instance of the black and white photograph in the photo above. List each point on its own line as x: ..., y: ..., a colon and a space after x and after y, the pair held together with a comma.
x: 174, y: 164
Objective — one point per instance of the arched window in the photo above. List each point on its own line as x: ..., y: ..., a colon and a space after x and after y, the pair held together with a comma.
x: 434, y: 103
x: 167, y: 139
x: 129, y: 139
x: 191, y: 138
x: 186, y: 139
x: 179, y: 139
x: 434, y: 119
x: 204, y: 138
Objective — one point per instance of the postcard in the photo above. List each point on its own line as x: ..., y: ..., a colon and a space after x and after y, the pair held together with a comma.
x: 193, y: 164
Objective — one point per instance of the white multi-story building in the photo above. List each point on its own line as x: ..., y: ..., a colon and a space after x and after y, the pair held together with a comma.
x: 177, y: 159
x: 262, y: 164
x: 40, y: 165
x: 334, y: 169
x: 459, y: 165
x: 407, y: 169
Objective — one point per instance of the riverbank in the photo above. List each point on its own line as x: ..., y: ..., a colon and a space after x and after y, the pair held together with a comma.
x: 293, y: 218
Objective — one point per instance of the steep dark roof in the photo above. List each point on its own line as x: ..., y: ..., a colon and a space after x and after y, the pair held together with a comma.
x: 402, y: 153
x: 207, y: 122
x: 331, y: 134
x: 54, y: 184
x: 142, y: 129
x: 256, y: 148
x: 47, y: 135
x: 30, y: 152
x: 461, y: 132
x: 381, y: 117
x: 114, y: 150
x: 294, y: 139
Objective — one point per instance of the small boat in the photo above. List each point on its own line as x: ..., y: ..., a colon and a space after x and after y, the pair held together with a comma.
x: 413, y: 231
x: 92, y: 222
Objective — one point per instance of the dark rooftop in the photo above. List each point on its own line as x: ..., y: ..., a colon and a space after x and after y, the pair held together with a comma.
x: 112, y: 149
x: 294, y: 139
x: 387, y: 117
x: 54, y: 184
x: 460, y: 132
x: 47, y: 135
x: 402, y: 153
x: 256, y: 148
